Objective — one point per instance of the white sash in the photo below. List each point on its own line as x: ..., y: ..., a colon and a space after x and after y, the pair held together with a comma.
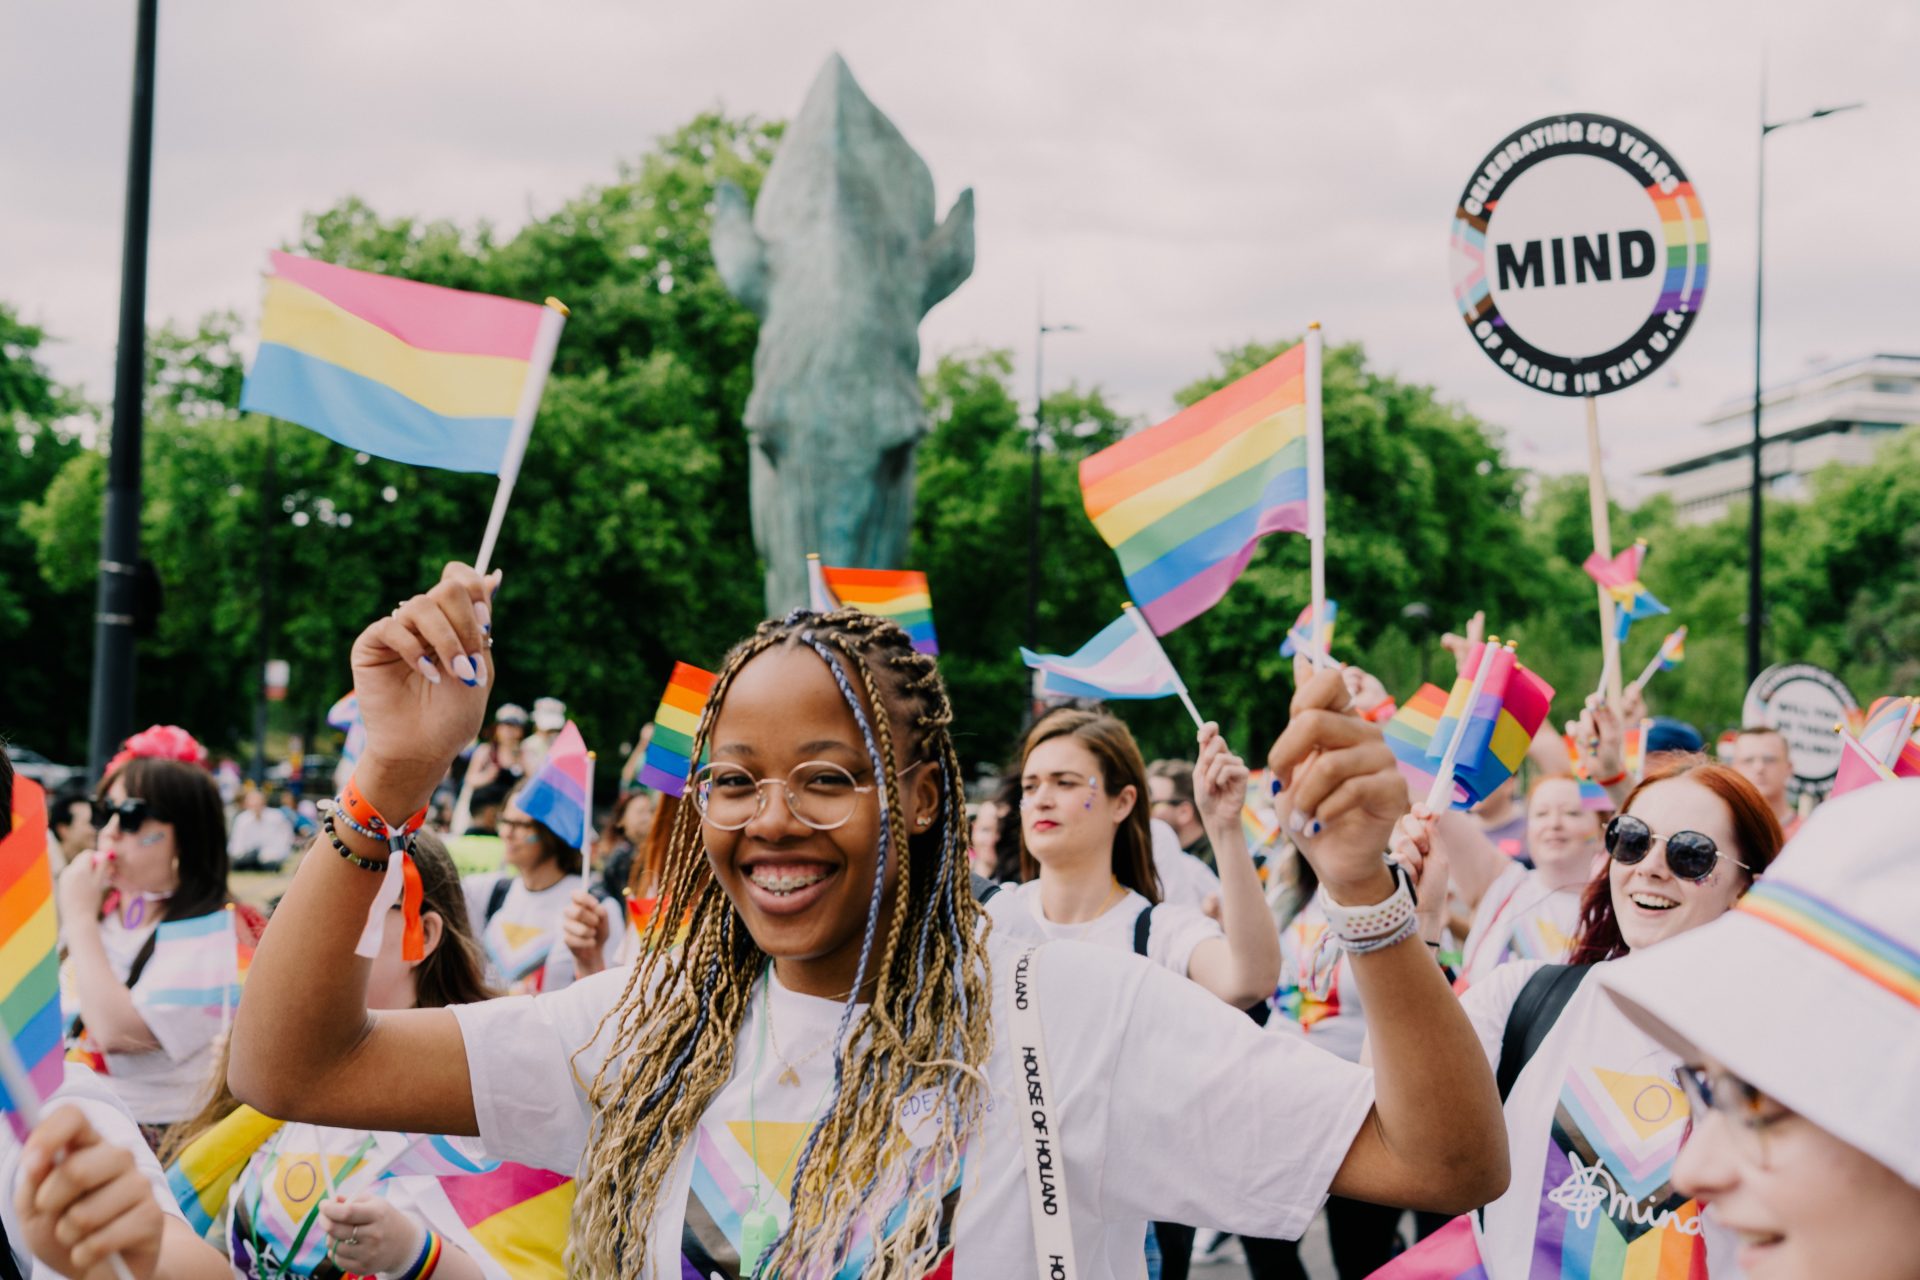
x: 1040, y: 1130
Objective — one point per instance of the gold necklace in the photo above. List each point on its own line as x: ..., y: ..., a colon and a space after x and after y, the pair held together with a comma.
x: 1119, y: 892
x: 790, y: 1071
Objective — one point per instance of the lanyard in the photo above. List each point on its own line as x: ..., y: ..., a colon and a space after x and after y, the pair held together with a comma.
x: 347, y: 1170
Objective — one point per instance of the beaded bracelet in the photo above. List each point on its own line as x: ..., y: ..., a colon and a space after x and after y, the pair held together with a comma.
x: 365, y: 864
x: 339, y: 812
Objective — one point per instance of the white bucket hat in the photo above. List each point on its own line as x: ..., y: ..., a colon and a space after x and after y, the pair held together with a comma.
x: 549, y: 715
x: 1809, y: 989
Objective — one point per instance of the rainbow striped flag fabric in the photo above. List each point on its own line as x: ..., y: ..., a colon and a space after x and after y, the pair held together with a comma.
x: 29, y: 972
x: 1184, y: 503
x: 424, y: 375
x: 1123, y: 661
x: 899, y: 594
x: 669, y: 759
x: 1621, y: 577
x: 1889, y: 740
x: 1495, y: 730
x: 560, y: 795
x: 1303, y: 625
x: 1673, y: 650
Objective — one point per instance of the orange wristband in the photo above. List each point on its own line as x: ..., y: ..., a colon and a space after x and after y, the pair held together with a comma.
x: 362, y: 815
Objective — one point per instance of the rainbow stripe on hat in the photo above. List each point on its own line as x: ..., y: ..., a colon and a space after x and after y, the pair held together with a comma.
x: 1856, y: 944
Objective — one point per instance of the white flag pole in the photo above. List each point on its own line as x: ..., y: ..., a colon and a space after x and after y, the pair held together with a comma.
x: 1316, y: 493
x: 1304, y: 645
x: 545, y: 343
x: 26, y: 1101
x: 1640, y: 681
x: 1180, y: 686
x: 1440, y: 796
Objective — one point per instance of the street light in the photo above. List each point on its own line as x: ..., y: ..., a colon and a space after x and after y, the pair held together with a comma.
x: 1041, y: 330
x: 1755, y: 594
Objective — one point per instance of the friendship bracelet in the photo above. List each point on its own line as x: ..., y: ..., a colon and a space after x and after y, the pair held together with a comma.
x: 1407, y: 929
x: 363, y: 817
x: 1614, y: 781
x: 365, y: 864
x: 339, y: 811
x: 429, y: 1259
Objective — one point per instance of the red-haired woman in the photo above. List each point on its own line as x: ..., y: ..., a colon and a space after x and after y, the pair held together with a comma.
x: 1594, y: 1116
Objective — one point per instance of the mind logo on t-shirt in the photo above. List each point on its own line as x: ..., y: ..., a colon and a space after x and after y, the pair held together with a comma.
x: 1608, y: 1210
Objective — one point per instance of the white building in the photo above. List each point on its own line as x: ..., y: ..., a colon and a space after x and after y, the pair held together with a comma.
x: 1842, y: 413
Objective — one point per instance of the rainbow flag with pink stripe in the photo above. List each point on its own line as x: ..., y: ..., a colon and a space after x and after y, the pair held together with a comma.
x: 29, y: 973
x: 1183, y: 504
x: 561, y: 795
x: 424, y: 375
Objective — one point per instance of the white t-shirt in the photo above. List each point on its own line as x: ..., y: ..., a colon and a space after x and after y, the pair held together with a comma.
x: 168, y: 1084
x: 1174, y: 1106
x: 275, y: 1199
x: 1171, y: 936
x: 1519, y: 918
x: 110, y: 1120
x: 268, y: 834
x: 1184, y: 879
x: 525, y: 954
x: 1593, y: 1125
x: 1317, y: 994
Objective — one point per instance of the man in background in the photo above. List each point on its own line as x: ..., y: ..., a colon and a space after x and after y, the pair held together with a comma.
x: 1760, y: 756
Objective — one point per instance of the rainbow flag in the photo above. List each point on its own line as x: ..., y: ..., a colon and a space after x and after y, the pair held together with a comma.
x: 560, y: 796
x: 1410, y: 733
x: 649, y: 923
x: 518, y: 1216
x: 669, y: 759
x: 423, y: 375
x: 1123, y: 661
x: 1634, y: 747
x: 1184, y: 503
x: 1303, y: 625
x: 1673, y: 650
x: 1593, y: 796
x: 29, y: 973
x: 1892, y: 756
x: 899, y: 594
x: 1496, y: 729
x: 1621, y: 577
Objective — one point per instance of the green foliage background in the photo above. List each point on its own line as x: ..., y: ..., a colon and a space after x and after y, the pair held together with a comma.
x: 628, y: 544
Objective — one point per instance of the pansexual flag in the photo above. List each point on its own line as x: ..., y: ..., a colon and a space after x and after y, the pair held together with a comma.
x: 1123, y: 661
x: 561, y: 793
x: 1496, y: 729
x: 669, y: 759
x: 517, y: 1216
x: 1304, y: 626
x: 1632, y: 602
x: 29, y: 973
x: 899, y: 594
x: 1887, y: 741
x: 414, y: 372
x: 1184, y: 503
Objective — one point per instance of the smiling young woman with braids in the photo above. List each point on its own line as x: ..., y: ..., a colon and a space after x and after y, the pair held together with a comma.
x: 823, y: 1080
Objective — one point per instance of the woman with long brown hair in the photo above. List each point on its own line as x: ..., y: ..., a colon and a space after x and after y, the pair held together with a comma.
x: 838, y: 1073
x: 144, y: 916
x: 1594, y: 1115
x: 314, y: 1200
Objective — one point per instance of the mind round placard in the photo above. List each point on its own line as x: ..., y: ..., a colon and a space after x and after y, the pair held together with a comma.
x: 1803, y: 702
x: 1579, y: 254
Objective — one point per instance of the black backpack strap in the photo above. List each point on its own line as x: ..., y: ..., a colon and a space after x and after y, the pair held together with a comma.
x: 983, y: 888
x: 497, y: 899
x: 1142, y: 926
x: 1533, y: 1014
x: 9, y: 1269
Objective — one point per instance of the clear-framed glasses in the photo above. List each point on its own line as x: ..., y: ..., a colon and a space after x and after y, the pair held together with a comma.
x: 1747, y: 1111
x: 821, y: 794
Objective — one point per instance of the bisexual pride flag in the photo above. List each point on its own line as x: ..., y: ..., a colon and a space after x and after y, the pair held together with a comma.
x: 561, y: 793
x: 669, y: 759
x: 1123, y: 661
x: 414, y: 372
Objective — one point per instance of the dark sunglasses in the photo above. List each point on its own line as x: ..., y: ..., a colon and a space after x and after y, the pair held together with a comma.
x: 1690, y: 855
x: 133, y: 814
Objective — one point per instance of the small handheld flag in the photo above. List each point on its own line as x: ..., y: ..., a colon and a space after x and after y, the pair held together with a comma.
x: 344, y: 715
x: 1885, y: 749
x: 899, y: 594
x: 30, y: 1067
x: 1463, y: 745
x: 1621, y: 578
x: 669, y: 759
x: 560, y: 795
x: 1303, y: 629
x: 1673, y: 651
x: 1183, y: 504
x: 1124, y: 661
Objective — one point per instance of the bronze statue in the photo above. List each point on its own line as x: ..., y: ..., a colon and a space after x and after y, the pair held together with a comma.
x: 840, y: 259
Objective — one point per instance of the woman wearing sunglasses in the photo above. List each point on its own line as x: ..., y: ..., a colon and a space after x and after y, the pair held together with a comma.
x: 1594, y: 1116
x: 1797, y: 1019
x: 146, y: 923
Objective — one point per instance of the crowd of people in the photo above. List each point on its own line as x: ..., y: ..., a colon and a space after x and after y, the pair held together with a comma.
x: 828, y: 1014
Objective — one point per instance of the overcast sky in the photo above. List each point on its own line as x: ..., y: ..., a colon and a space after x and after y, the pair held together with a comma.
x: 1184, y: 177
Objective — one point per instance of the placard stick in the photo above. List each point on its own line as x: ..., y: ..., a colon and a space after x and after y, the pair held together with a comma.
x: 545, y: 343
x: 1303, y: 644
x: 1603, y: 544
x: 1180, y: 686
x: 1440, y: 796
x: 26, y: 1100
x: 1316, y: 491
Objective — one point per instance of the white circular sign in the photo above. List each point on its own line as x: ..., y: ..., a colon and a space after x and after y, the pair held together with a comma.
x: 1804, y: 703
x: 1579, y: 255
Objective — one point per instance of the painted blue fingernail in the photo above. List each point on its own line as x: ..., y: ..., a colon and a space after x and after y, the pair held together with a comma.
x: 1314, y: 828
x: 486, y: 618
x: 463, y: 668
x: 1278, y: 786
x: 479, y: 668
x: 427, y: 669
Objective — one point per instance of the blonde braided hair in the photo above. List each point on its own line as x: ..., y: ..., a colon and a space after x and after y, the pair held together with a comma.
x: 927, y: 1030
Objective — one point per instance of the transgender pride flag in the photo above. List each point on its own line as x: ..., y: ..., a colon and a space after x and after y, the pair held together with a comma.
x: 1123, y: 661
